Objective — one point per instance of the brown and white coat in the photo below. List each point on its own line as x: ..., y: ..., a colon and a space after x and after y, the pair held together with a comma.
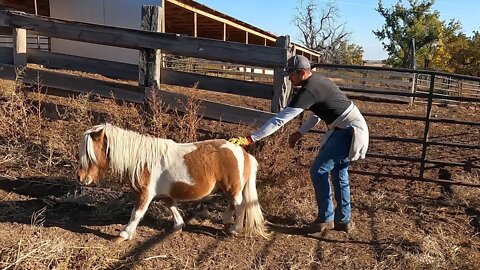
x: 173, y: 172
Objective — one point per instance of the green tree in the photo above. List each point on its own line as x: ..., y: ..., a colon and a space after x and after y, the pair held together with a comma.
x: 403, y: 24
x: 467, y: 60
x: 441, y: 56
x: 350, y: 54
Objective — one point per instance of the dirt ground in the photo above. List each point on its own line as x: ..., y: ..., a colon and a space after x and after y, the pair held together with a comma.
x: 48, y: 222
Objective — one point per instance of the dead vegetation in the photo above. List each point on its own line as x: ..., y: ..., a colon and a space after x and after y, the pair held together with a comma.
x: 50, y: 223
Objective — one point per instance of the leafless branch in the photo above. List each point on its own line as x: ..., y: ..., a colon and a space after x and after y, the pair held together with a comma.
x: 319, y: 29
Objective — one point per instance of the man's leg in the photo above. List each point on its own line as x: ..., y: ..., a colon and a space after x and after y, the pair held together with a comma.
x: 341, y: 184
x: 342, y: 192
x: 335, y: 150
x: 321, y: 166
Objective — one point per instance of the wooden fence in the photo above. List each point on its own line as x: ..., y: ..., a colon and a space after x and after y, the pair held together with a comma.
x: 345, y: 77
x: 33, y: 42
x: 227, y: 52
x: 218, y: 69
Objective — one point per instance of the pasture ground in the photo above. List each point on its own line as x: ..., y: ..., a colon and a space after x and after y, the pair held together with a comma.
x: 47, y: 222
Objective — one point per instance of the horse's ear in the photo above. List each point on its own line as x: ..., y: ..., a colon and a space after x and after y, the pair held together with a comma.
x: 97, y: 136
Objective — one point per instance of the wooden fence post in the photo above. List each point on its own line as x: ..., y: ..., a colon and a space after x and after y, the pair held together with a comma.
x: 413, y: 88
x: 428, y: 118
x: 413, y: 65
x: 20, y: 47
x: 150, y: 59
x: 281, y: 85
x: 460, y: 87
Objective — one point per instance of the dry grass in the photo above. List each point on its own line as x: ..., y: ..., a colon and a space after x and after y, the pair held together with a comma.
x: 33, y: 250
x: 37, y: 248
x: 187, y: 123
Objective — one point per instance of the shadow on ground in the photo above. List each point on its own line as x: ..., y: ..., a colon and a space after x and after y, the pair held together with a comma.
x: 58, y: 202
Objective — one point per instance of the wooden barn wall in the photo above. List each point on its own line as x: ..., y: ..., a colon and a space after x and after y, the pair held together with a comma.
x: 121, y: 13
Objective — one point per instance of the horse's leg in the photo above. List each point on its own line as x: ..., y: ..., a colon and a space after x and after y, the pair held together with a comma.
x: 144, y: 199
x: 178, y: 222
x: 227, y: 216
x: 240, y: 214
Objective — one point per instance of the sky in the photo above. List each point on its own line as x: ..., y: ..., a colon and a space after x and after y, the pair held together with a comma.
x: 359, y: 15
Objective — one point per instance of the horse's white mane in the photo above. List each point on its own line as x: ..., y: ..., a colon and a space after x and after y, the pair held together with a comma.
x: 128, y: 151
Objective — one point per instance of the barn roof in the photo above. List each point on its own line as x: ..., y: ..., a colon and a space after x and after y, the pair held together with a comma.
x: 199, y: 6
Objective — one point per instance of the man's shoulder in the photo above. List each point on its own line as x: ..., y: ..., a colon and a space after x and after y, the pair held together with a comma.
x: 302, y: 99
x: 318, y: 82
x: 317, y: 78
x: 303, y: 93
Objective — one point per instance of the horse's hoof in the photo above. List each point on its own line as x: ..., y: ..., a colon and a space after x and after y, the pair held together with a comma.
x: 232, y: 231
x: 119, y: 240
x: 227, y: 226
x: 178, y: 229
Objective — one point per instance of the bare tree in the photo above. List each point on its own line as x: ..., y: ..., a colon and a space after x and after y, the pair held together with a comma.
x: 320, y: 29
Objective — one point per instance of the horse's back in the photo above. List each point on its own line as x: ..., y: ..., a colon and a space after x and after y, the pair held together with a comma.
x: 208, y: 164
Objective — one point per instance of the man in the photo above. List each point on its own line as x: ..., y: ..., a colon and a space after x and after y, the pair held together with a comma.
x: 346, y: 140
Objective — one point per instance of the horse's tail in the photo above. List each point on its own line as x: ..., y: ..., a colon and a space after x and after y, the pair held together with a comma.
x: 254, y: 221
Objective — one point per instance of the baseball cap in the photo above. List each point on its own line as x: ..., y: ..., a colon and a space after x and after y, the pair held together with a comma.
x: 295, y: 63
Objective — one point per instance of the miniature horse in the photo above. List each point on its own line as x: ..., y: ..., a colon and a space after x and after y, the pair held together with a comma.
x: 173, y: 172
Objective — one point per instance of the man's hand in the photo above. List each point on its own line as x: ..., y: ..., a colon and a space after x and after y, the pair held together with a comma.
x: 293, y: 139
x: 242, y: 141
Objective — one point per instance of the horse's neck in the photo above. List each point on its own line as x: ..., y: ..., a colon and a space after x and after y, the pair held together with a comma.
x: 174, y: 148
x: 128, y: 150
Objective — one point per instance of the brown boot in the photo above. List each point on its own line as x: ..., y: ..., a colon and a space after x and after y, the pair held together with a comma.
x: 315, y: 227
x: 346, y: 227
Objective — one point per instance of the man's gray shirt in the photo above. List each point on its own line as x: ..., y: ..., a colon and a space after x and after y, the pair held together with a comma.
x: 318, y: 94
x: 322, y: 97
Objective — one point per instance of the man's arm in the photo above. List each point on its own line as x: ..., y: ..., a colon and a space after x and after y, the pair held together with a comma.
x: 298, y: 104
x: 311, y: 121
x: 276, y: 122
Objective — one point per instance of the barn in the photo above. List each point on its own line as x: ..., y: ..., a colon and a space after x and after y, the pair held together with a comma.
x: 179, y: 16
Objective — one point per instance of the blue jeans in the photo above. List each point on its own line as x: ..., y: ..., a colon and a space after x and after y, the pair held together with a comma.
x: 333, y: 158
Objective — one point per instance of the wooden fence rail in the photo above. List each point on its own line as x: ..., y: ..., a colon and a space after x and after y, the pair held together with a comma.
x: 71, y: 84
x: 136, y: 39
x: 130, y: 72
